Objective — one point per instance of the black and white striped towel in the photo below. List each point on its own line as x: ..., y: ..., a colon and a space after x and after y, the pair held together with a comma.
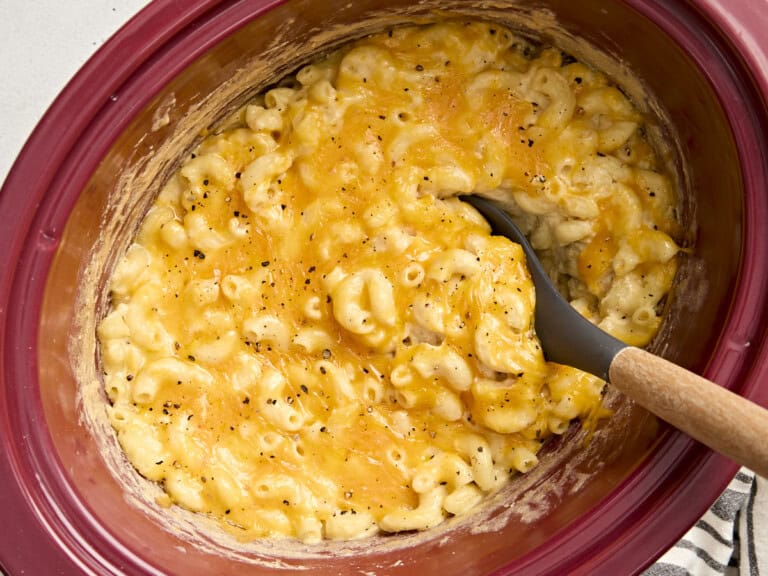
x: 731, y: 539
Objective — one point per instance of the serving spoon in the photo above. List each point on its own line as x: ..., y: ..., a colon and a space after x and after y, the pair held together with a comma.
x: 709, y: 413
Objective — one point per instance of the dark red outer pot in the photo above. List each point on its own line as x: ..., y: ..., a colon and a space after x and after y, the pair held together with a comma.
x: 47, y: 531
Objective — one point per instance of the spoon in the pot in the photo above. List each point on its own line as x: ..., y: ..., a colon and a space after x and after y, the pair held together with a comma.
x: 711, y: 414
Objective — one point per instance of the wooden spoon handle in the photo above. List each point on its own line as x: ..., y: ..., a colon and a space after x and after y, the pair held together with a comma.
x: 711, y: 414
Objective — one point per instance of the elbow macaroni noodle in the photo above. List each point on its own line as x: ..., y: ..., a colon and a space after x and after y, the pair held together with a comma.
x: 312, y: 338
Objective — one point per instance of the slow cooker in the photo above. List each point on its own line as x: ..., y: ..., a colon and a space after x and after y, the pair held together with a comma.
x: 167, y: 75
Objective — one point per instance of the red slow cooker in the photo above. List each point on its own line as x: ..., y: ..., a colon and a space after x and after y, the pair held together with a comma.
x: 613, y: 511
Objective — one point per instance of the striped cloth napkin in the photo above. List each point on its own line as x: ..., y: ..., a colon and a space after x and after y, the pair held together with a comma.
x: 731, y: 539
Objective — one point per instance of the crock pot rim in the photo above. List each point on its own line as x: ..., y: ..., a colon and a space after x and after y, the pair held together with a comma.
x: 146, y: 26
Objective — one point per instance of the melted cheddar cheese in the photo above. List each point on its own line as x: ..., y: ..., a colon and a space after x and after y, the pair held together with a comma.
x: 312, y: 337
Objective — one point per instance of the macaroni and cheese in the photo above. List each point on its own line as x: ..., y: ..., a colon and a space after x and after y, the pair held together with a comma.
x: 311, y: 337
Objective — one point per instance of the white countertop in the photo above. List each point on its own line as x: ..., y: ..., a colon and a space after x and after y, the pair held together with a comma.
x: 43, y: 43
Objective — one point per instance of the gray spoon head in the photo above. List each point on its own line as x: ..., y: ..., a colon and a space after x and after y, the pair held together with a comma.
x: 566, y: 336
